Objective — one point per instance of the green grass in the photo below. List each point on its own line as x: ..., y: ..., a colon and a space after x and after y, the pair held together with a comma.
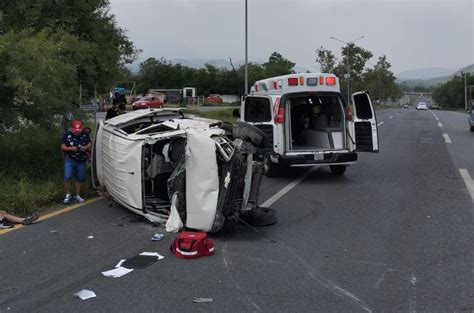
x: 222, y: 115
x: 32, y: 170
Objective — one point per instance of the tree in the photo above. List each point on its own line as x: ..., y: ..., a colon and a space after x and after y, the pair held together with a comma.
x: 451, y: 93
x: 380, y: 81
x: 87, y: 49
x: 277, y: 65
x: 357, y: 58
x: 326, y: 60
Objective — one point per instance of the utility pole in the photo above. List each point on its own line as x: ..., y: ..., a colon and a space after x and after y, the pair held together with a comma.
x: 246, y: 74
x: 347, y: 66
x: 465, y: 91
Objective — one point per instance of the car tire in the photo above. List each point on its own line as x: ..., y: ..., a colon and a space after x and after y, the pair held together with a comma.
x: 270, y: 169
x: 472, y: 128
x: 337, y: 169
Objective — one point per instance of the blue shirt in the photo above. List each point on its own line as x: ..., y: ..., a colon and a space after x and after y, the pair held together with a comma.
x: 81, y: 140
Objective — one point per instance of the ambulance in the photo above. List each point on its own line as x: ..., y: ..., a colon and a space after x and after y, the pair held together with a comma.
x: 308, y: 122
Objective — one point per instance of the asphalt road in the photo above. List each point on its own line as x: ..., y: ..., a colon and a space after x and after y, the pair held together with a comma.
x: 393, y: 234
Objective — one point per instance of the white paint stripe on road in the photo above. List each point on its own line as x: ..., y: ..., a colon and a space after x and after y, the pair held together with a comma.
x: 287, y: 188
x: 468, y: 181
x: 447, y: 139
x: 391, y: 116
x: 437, y: 118
x: 380, y: 123
x: 440, y: 125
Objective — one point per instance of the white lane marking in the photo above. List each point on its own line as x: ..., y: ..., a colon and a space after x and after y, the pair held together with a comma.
x: 436, y: 118
x: 468, y: 181
x: 391, y: 116
x: 440, y: 125
x: 447, y: 139
x: 287, y: 188
x: 380, y: 123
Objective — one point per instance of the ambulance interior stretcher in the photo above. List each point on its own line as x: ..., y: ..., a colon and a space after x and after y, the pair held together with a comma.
x: 316, y: 122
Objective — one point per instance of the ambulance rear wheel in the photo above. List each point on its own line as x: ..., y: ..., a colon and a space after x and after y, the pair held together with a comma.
x: 337, y: 169
x: 270, y: 169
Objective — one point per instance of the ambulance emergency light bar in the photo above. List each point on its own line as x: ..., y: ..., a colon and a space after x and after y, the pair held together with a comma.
x: 294, y: 80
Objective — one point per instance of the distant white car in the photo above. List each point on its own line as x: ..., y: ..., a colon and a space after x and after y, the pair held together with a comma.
x: 421, y: 106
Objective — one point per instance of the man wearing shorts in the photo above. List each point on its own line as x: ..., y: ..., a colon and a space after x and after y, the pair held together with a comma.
x: 75, y: 143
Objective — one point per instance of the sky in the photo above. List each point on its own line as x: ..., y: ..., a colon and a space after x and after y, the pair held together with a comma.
x: 412, y: 34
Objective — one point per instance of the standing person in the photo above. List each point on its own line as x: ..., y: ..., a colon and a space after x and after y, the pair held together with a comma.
x: 75, y: 143
x: 113, y: 111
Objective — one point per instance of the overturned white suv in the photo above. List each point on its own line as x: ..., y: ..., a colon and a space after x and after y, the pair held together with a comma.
x: 149, y: 160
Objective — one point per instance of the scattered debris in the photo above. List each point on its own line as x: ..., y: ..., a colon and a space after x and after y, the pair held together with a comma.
x: 413, y: 280
x: 117, y: 272
x: 157, y: 237
x: 143, y: 260
x: 174, y: 223
x: 203, y: 300
x: 159, y: 256
x: 90, y: 237
x: 85, y: 294
x: 54, y: 231
x: 120, y: 263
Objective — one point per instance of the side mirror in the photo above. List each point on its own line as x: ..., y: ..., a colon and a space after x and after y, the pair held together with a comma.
x: 236, y: 113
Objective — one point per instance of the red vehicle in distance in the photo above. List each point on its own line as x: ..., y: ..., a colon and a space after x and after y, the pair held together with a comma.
x: 213, y: 99
x: 146, y: 103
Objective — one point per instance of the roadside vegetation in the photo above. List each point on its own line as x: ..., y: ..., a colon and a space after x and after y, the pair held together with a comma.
x: 450, y: 95
x: 49, y: 54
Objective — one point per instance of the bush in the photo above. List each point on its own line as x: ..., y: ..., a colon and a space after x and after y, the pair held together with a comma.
x: 32, y: 169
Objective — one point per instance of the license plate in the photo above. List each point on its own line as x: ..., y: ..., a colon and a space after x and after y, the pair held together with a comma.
x: 319, y: 157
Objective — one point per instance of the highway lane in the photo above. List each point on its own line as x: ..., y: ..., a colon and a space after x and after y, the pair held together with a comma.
x: 393, y: 234
x: 455, y: 126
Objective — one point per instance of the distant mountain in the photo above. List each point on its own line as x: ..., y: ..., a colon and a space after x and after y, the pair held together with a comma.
x: 434, y: 81
x: 425, y: 73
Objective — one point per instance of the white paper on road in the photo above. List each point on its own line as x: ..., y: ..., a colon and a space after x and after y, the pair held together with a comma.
x: 120, y: 263
x: 117, y: 272
x: 90, y: 237
x: 159, y: 256
x: 85, y: 294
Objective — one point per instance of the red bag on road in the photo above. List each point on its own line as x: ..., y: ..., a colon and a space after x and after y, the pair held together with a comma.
x: 192, y: 245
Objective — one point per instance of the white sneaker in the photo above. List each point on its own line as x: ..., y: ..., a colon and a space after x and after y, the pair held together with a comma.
x: 79, y: 199
x: 67, y: 198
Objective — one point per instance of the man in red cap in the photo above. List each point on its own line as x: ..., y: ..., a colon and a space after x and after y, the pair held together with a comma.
x: 75, y: 143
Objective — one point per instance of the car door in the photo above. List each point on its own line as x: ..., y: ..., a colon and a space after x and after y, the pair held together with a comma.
x: 364, y: 124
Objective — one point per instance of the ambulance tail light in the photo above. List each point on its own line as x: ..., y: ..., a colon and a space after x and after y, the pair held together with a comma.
x: 330, y: 81
x: 280, y: 117
x: 348, y: 110
x: 293, y: 81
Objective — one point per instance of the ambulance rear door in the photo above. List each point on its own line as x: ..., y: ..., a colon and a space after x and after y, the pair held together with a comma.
x: 365, y: 133
x: 258, y: 111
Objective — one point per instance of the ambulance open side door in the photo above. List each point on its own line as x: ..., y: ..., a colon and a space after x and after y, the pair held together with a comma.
x: 364, y: 124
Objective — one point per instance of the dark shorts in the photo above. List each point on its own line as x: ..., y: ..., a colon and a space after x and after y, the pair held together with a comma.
x: 72, y: 167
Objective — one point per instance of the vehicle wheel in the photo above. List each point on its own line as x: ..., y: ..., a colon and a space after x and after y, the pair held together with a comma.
x: 472, y: 128
x: 270, y: 169
x: 338, y: 169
